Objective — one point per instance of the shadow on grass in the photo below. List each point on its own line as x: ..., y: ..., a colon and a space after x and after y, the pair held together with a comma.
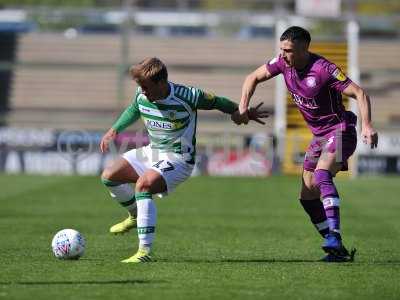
x: 268, y: 260
x: 90, y: 282
x: 385, y: 262
x: 272, y: 261
x: 233, y: 260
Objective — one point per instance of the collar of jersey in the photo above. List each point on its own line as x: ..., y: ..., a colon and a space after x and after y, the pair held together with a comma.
x: 171, y: 93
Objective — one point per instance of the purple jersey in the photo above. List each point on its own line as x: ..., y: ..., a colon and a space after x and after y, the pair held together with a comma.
x: 317, y: 91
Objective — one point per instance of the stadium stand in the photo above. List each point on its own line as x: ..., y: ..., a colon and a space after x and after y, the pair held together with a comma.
x: 69, y: 83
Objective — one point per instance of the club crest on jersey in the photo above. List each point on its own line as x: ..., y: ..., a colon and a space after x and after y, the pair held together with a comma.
x: 311, y: 82
x: 338, y: 74
x: 171, y: 114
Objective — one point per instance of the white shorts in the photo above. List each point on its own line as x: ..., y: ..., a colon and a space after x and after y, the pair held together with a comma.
x: 172, y: 167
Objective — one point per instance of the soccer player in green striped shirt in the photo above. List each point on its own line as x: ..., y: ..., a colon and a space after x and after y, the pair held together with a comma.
x: 169, y: 113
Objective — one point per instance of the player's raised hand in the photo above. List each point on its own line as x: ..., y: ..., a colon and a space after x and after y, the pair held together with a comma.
x: 369, y: 136
x: 239, y: 118
x: 110, y: 135
x: 256, y: 113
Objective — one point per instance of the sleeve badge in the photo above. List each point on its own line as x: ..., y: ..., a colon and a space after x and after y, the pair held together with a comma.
x: 339, y: 75
x: 209, y: 96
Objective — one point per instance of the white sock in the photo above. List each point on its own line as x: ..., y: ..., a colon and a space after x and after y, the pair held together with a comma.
x: 146, y: 219
x: 124, y: 194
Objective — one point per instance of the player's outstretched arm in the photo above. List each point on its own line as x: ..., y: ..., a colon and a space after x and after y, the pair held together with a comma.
x: 249, y: 86
x: 210, y: 101
x: 368, y: 133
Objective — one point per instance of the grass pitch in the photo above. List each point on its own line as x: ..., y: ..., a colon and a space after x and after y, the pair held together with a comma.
x: 217, y: 238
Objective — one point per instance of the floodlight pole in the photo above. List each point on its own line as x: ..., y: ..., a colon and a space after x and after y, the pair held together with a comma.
x: 124, y: 54
x: 280, y: 98
x: 353, y: 42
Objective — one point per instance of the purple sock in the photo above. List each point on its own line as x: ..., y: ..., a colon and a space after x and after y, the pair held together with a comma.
x: 331, y: 206
x: 330, y: 198
x: 315, y: 210
x: 324, y: 181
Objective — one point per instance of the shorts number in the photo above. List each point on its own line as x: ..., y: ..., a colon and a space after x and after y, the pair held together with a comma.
x: 169, y: 167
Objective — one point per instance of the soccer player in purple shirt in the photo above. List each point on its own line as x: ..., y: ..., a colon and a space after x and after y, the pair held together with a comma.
x: 316, y: 86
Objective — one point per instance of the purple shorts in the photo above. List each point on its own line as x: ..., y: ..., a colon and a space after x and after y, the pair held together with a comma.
x: 343, y: 143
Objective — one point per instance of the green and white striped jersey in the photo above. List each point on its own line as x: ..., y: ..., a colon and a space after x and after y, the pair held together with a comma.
x: 171, y: 122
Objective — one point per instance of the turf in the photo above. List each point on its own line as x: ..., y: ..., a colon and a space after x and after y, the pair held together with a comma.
x: 217, y: 238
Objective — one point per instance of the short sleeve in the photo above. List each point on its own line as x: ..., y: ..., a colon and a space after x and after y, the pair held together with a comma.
x: 274, y: 66
x: 190, y: 95
x: 337, y: 79
x: 134, y: 103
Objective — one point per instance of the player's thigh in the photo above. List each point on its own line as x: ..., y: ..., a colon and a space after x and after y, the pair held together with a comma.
x: 312, y: 156
x: 151, y: 181
x: 120, y: 170
x: 309, y: 189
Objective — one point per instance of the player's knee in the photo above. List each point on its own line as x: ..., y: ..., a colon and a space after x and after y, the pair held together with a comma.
x: 110, y: 174
x: 143, y: 184
x: 309, y: 181
x: 309, y: 188
x: 310, y: 185
x: 107, y: 174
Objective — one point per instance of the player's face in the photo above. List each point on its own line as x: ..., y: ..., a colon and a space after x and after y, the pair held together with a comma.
x: 292, y: 52
x: 152, y: 90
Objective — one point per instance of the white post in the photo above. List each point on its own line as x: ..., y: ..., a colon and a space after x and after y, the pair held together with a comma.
x: 280, y: 98
x: 354, y: 73
x: 352, y: 53
x: 124, y: 51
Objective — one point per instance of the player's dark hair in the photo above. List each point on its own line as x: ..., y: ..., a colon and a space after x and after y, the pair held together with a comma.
x: 150, y: 68
x: 296, y: 33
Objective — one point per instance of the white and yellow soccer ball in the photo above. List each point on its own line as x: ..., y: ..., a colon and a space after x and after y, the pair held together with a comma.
x: 68, y: 244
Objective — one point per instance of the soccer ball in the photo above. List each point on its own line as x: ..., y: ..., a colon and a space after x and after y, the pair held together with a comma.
x: 68, y: 244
